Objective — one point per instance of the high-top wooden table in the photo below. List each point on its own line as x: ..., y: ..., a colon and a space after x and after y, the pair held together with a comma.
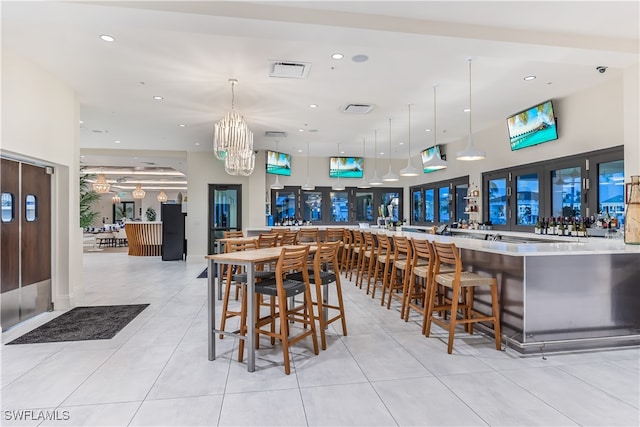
x: 247, y: 259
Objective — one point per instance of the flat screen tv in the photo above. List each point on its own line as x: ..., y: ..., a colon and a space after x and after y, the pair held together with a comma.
x: 532, y: 126
x: 426, y: 155
x: 346, y: 167
x: 278, y: 163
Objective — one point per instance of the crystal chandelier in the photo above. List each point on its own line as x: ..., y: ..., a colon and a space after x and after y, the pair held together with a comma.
x: 101, y: 185
x: 162, y: 197
x: 115, y: 199
x: 138, y: 193
x: 233, y: 141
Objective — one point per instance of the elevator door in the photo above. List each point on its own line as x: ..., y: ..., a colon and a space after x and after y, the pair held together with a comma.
x: 25, y: 242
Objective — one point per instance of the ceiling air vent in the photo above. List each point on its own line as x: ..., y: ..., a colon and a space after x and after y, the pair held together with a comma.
x: 358, y: 108
x: 275, y: 134
x: 289, y: 70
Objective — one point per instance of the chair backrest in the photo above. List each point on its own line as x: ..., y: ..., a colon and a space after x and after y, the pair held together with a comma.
x: 293, y: 260
x: 369, y: 241
x: 402, y: 247
x: 232, y: 234
x: 358, y: 239
x: 422, y: 249
x: 447, y: 253
x: 326, y: 254
x: 240, y: 245
x: 308, y: 235
x: 289, y: 238
x: 334, y: 234
x: 267, y: 240
x: 347, y: 237
x: 384, y: 245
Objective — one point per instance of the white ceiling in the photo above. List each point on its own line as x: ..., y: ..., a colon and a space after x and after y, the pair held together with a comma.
x: 186, y: 52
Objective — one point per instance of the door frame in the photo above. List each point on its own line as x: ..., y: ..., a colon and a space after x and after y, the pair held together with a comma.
x: 211, y: 227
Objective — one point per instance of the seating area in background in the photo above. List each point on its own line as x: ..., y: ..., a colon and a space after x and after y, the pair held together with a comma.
x: 107, y: 236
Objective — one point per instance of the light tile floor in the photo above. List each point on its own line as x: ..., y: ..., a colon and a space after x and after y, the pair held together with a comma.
x: 155, y: 371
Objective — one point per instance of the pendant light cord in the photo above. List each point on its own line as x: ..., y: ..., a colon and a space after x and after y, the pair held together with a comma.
x: 435, y: 130
x: 469, y: 96
x: 409, y: 107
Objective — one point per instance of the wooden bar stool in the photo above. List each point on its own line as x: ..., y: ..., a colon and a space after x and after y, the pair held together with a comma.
x: 383, y: 261
x: 368, y: 256
x: 291, y: 260
x: 399, y: 272
x: 462, y: 284
x: 420, y: 277
x: 288, y: 238
x: 347, y: 247
x: 325, y: 271
x: 358, y: 242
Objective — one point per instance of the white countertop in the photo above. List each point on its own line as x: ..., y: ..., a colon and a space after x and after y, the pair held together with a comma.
x: 563, y: 245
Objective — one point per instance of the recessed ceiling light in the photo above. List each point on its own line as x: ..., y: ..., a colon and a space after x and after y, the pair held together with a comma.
x: 342, y: 152
x: 117, y: 141
x: 360, y: 58
x: 157, y: 98
x: 107, y: 38
x: 466, y: 110
x: 182, y: 125
x: 81, y: 122
x: 337, y: 56
x: 428, y: 130
x: 527, y: 78
x: 313, y: 105
x: 299, y: 150
x: 402, y: 143
x: 82, y: 157
x: 300, y: 130
x: 197, y: 143
x: 382, y: 153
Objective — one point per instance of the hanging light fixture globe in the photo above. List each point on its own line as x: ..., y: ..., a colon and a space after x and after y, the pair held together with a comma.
x: 390, y: 176
x: 410, y: 170
x: 435, y: 162
x: 101, y: 185
x: 115, y: 199
x: 162, y: 196
x: 470, y: 153
x: 138, y: 193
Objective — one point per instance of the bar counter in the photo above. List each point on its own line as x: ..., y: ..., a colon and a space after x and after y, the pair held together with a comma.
x: 556, y: 293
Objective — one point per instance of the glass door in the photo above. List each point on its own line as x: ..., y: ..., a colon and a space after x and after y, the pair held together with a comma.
x: 225, y: 211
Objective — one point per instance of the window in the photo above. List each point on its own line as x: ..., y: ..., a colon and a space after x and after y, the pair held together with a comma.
x: 527, y: 199
x: 364, y: 207
x: 312, y: 206
x: 390, y: 201
x: 566, y: 185
x: 31, y: 211
x: 339, y: 206
x: 417, y: 206
x: 325, y: 206
x: 429, y: 205
x: 611, y: 189
x: 8, y: 212
x: 439, y: 202
x: 498, y: 201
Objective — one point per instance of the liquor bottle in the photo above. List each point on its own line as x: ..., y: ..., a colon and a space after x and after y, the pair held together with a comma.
x: 582, y: 230
x: 614, y: 222
x: 536, y: 227
x: 552, y: 226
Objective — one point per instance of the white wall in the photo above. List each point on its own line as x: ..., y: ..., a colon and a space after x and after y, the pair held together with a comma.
x: 40, y: 117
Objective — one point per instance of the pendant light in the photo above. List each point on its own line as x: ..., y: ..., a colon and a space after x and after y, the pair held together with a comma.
x: 338, y: 186
x: 375, y: 181
x: 390, y: 176
x: 162, y: 196
x: 276, y: 185
x: 470, y: 153
x: 435, y: 162
x: 410, y: 170
x: 138, y: 192
x: 307, y: 186
x: 101, y: 186
x: 364, y: 183
x: 116, y: 199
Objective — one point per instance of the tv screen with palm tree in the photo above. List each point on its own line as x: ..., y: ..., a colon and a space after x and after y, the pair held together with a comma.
x: 278, y: 163
x: 346, y: 167
x: 532, y: 126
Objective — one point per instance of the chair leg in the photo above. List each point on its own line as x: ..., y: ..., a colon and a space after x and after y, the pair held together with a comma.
x: 321, y: 318
x: 243, y: 325
x: 496, y: 314
x: 454, y: 317
x: 284, y: 332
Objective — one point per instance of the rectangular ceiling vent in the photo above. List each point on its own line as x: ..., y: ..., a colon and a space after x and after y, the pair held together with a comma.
x: 289, y: 70
x: 358, y: 108
x: 275, y: 134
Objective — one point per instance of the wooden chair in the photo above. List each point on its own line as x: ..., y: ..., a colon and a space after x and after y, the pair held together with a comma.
x: 368, y: 252
x: 326, y: 271
x: 462, y: 285
x: 420, y: 277
x: 232, y: 234
x: 358, y: 242
x: 347, y: 246
x: 334, y: 234
x: 289, y: 238
x: 399, y: 272
x: 383, y: 261
x: 291, y: 260
x: 308, y: 236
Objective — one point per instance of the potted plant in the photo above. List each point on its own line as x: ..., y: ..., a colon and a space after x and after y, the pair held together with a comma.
x: 151, y: 214
x: 88, y: 197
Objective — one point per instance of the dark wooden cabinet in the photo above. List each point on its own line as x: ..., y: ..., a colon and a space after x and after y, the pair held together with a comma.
x: 174, y: 245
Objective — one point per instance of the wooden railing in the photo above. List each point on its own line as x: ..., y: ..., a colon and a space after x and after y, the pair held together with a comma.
x: 145, y: 238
